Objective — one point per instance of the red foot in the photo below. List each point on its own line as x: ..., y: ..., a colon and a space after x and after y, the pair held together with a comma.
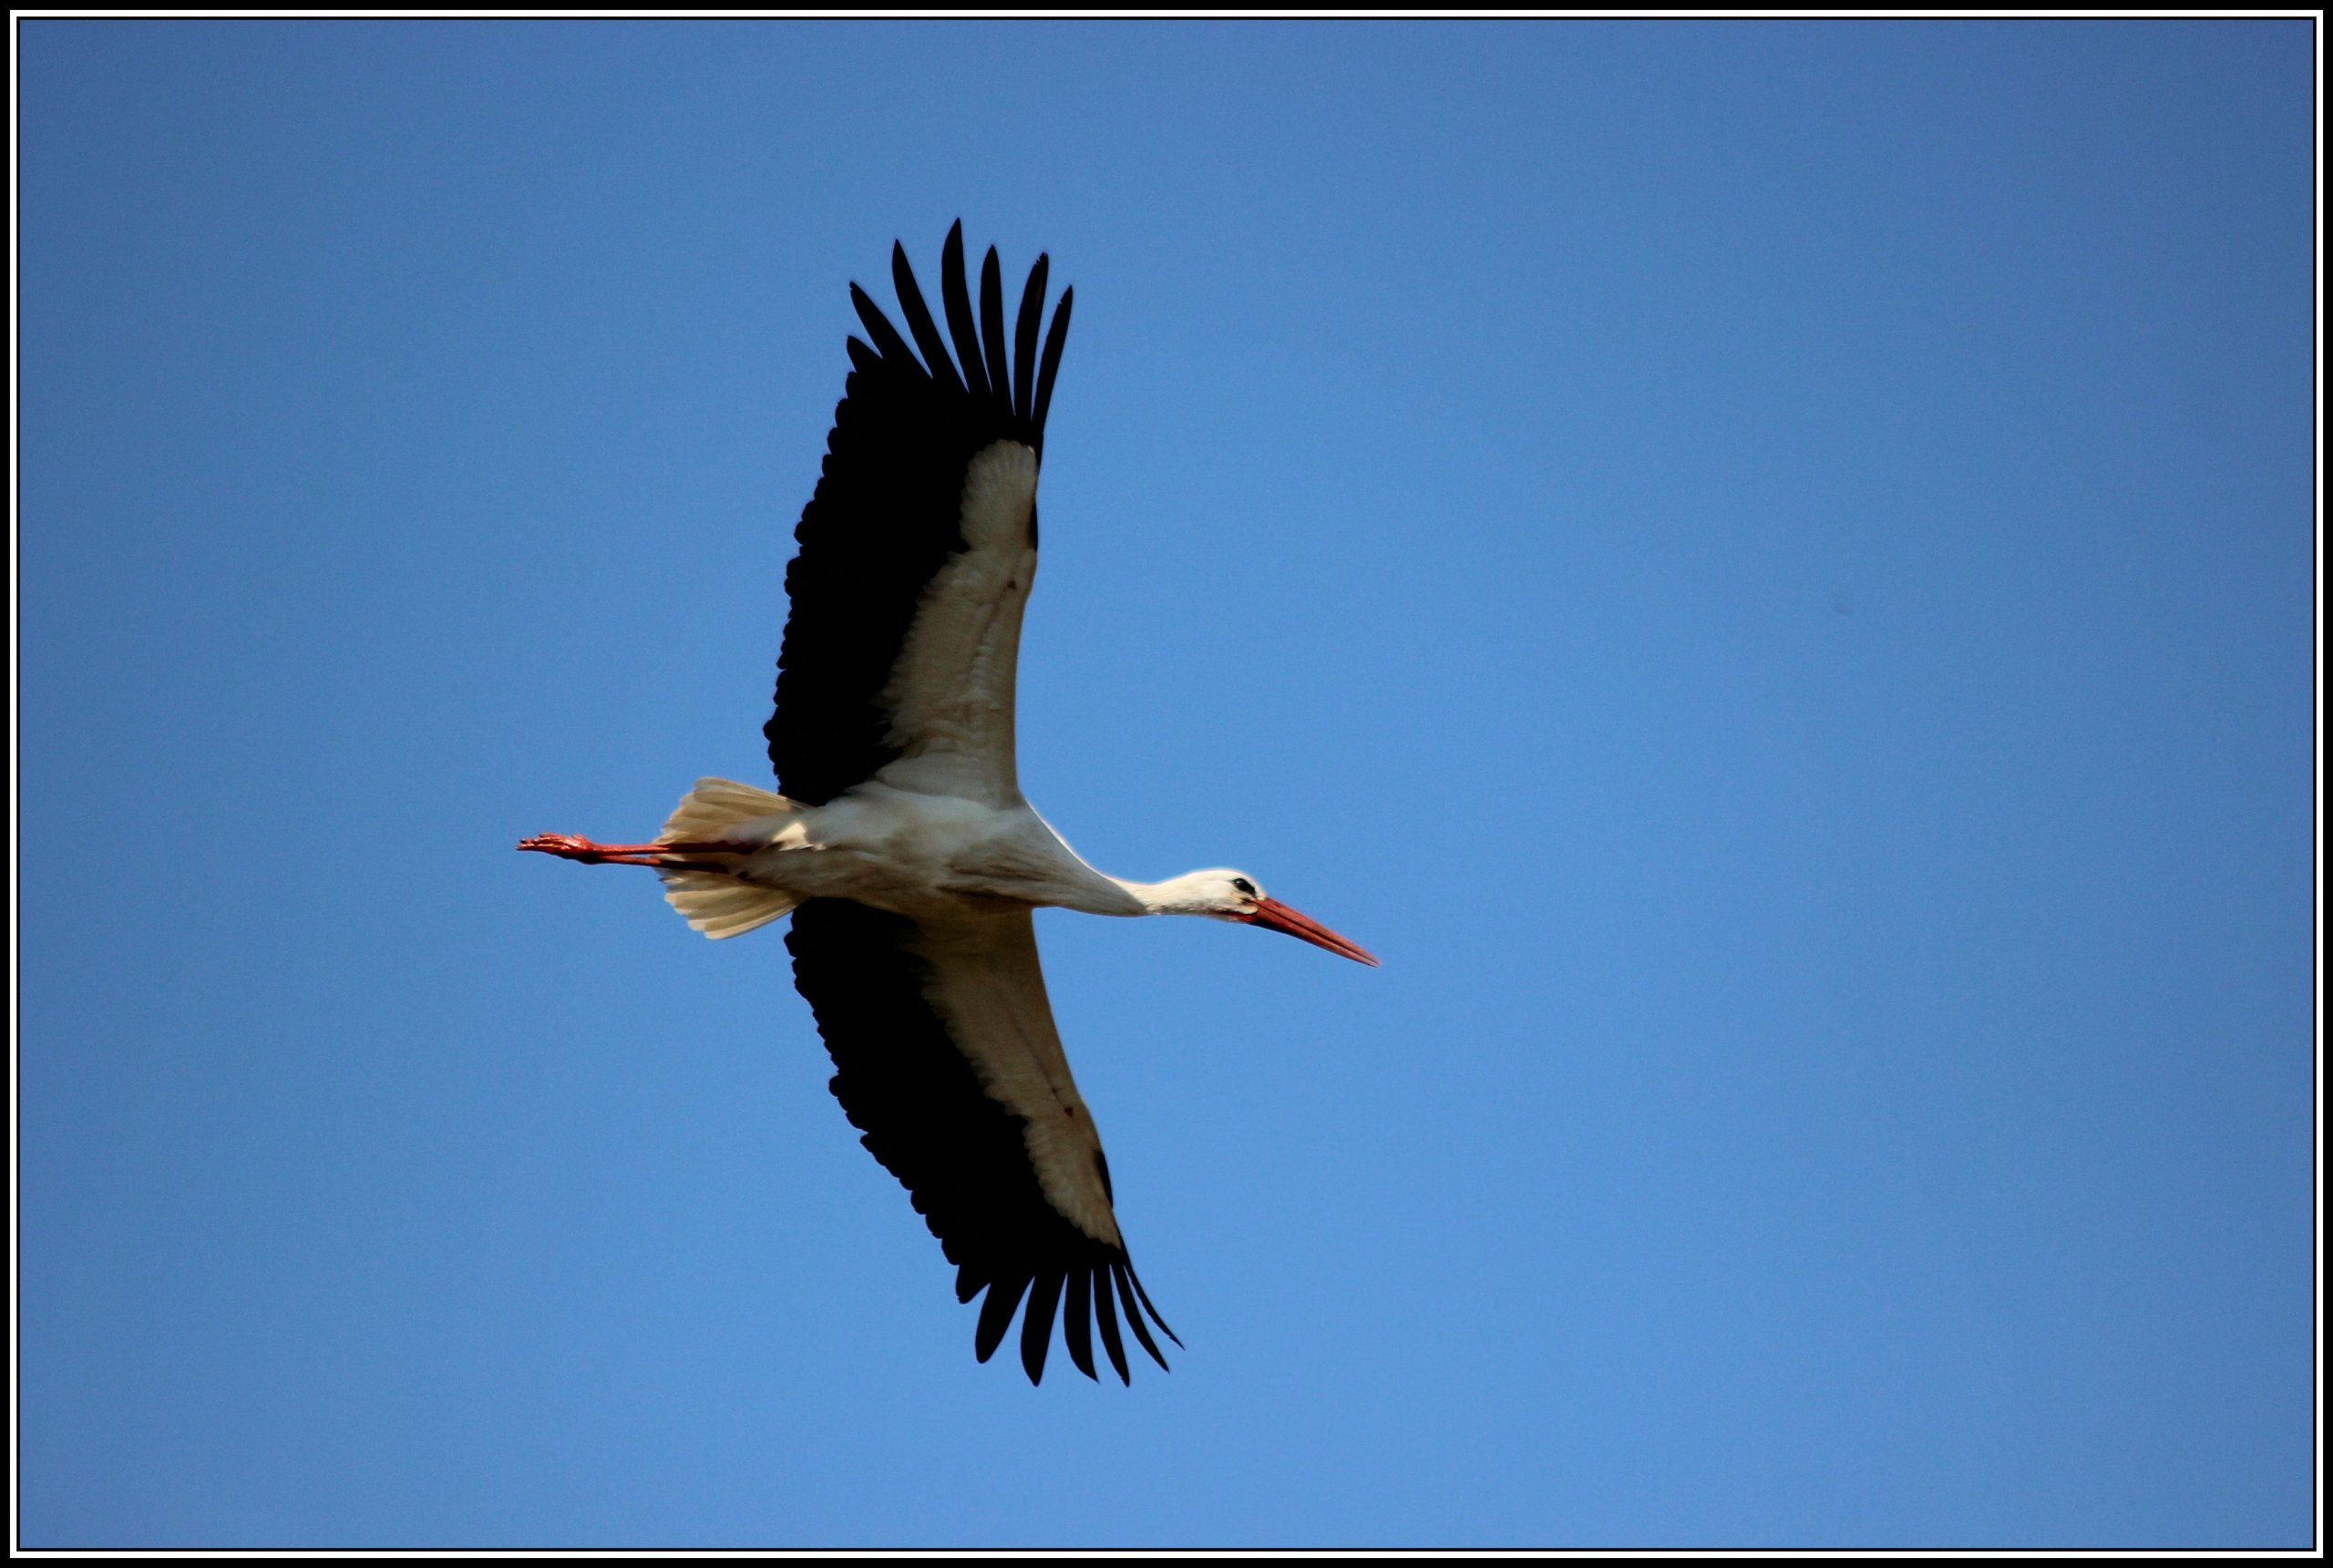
x: 574, y: 847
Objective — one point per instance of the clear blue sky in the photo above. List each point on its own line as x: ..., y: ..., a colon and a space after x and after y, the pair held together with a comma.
x: 1765, y: 567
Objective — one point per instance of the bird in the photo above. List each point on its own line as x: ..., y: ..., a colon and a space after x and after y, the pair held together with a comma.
x: 897, y: 839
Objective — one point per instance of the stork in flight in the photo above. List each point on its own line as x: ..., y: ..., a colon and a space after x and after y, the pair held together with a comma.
x: 900, y: 842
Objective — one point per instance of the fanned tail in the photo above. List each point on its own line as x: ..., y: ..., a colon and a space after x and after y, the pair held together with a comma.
x: 713, y: 902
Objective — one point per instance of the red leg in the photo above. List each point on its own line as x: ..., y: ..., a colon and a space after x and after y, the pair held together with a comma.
x: 573, y: 847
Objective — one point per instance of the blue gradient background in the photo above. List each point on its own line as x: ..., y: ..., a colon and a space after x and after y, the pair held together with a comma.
x: 1765, y: 568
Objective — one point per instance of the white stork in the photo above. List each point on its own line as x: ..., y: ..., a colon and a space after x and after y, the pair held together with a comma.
x: 900, y: 842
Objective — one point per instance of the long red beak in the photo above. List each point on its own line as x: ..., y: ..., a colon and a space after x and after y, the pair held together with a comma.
x: 1275, y: 916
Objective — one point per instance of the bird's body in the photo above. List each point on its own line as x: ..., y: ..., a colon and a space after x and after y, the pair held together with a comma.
x: 924, y: 856
x: 902, y: 846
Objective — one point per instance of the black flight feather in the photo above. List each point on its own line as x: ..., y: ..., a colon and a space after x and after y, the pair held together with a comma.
x: 958, y: 300
x: 1105, y: 1313
x: 1145, y: 1297
x: 1053, y: 358
x: 1024, y: 340
x: 1134, y: 1316
x: 1000, y: 374
x: 919, y: 315
x: 1077, y: 1321
x: 996, y: 1316
x: 880, y: 332
x: 1037, y: 1325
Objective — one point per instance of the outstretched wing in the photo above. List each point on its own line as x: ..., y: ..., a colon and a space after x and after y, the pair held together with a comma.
x: 946, y: 1059
x: 918, y: 547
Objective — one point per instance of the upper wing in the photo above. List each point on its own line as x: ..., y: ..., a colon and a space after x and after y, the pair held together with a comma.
x: 947, y: 1061
x: 918, y: 547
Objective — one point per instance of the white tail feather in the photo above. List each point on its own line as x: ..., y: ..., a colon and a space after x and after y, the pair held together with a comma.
x: 722, y: 907
x: 713, y: 902
x: 716, y: 806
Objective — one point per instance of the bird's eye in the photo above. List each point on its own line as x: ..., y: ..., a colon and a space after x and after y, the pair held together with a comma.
x: 1244, y: 886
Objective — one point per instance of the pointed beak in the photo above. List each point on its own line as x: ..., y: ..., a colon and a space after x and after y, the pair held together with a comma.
x: 1275, y: 916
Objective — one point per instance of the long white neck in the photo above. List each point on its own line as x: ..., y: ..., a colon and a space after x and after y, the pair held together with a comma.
x: 1176, y: 895
x: 1075, y: 884
x: 1118, y: 896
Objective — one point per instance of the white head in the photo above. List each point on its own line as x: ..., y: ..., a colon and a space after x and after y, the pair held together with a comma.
x: 1224, y: 894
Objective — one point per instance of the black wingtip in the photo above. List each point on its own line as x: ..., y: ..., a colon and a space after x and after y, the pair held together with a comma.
x: 1000, y: 374
x: 1077, y: 1320
x: 1106, y: 1314
x: 919, y: 322
x: 1144, y: 1297
x: 1052, y: 366
x: 1134, y: 1316
x: 996, y: 1316
x: 879, y: 329
x: 1037, y: 1326
x: 957, y: 299
x: 1024, y: 339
